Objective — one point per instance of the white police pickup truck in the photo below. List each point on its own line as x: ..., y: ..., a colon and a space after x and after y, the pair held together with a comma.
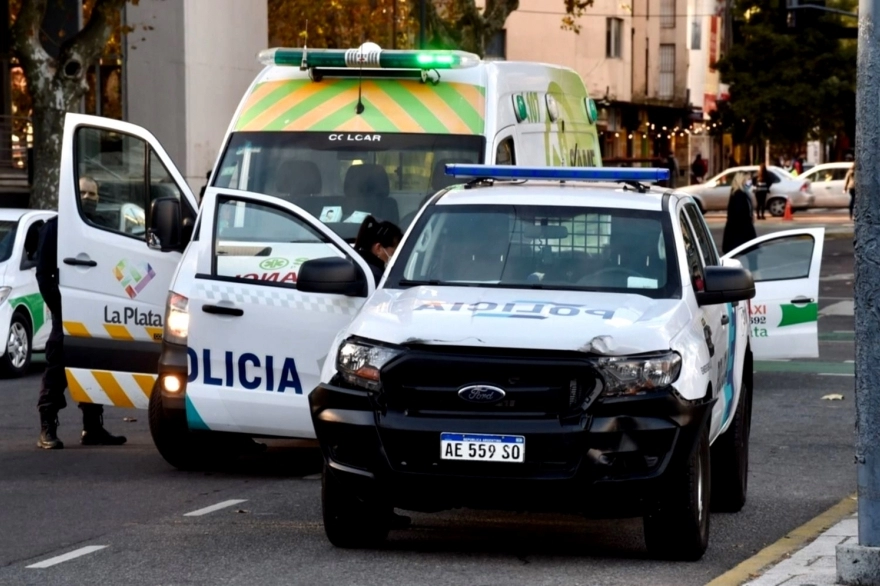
x: 534, y: 344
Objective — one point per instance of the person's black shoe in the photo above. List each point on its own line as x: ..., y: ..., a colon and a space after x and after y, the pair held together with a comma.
x: 48, y: 433
x: 98, y: 436
x: 400, y: 521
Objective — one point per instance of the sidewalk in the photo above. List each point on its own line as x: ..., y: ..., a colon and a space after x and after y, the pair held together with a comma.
x: 815, y: 564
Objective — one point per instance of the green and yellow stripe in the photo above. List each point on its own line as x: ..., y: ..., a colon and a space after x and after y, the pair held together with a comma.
x: 390, y: 106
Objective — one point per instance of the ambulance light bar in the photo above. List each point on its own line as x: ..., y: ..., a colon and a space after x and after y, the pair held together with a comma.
x: 508, y: 172
x: 368, y: 57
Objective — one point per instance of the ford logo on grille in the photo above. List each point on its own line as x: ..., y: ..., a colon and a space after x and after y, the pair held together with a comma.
x: 481, y: 394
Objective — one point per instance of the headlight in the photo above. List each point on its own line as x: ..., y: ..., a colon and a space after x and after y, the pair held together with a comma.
x: 633, y: 375
x: 176, y: 319
x: 359, y: 362
x: 4, y: 293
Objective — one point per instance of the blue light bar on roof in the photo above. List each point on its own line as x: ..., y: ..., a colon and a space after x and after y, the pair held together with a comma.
x: 647, y: 174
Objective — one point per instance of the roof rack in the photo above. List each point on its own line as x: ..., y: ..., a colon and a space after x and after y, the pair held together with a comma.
x: 596, y: 174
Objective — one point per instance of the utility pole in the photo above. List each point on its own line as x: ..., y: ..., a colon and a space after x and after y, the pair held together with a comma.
x: 860, y: 563
x: 422, y: 18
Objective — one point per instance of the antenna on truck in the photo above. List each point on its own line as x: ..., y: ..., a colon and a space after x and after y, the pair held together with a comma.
x: 304, y: 65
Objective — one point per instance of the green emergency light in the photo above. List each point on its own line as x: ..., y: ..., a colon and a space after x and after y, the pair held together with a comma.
x: 368, y: 56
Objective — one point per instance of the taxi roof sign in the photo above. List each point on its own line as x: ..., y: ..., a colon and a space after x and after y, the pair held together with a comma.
x: 511, y: 172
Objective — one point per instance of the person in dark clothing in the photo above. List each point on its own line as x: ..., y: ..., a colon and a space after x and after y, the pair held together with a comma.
x: 698, y: 169
x: 54, y: 379
x: 376, y: 242
x: 740, y: 227
x: 762, y: 188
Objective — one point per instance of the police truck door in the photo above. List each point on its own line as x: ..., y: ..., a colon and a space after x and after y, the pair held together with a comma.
x: 113, y: 287
x: 785, y: 310
x: 256, y: 344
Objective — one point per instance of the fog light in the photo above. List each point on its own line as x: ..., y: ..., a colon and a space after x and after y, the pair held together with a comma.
x: 171, y: 383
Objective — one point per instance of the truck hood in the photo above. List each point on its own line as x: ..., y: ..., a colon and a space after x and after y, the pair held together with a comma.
x: 600, y: 323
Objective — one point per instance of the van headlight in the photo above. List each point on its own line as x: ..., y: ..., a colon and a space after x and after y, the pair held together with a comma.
x: 360, y: 362
x: 176, y: 319
x: 633, y: 375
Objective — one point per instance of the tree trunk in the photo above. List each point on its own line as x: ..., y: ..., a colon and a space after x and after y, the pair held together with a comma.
x: 49, y: 126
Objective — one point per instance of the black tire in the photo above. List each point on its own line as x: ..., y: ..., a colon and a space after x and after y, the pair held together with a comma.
x: 180, y: 448
x: 730, y: 453
x: 776, y: 207
x: 348, y: 521
x: 678, y: 526
x: 19, y: 347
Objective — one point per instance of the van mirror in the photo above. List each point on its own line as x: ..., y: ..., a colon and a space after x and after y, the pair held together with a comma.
x: 726, y: 285
x: 331, y: 275
x: 165, y: 224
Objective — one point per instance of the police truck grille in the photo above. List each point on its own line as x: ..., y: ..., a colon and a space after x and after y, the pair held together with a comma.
x: 426, y: 382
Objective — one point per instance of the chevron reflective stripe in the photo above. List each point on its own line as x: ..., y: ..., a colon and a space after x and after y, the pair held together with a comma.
x: 120, y: 389
x: 114, y: 331
x: 390, y: 105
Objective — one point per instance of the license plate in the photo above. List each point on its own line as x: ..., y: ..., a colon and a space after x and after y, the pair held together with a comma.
x: 481, y: 447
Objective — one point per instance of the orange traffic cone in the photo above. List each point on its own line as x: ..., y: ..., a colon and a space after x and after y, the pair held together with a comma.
x: 788, y: 216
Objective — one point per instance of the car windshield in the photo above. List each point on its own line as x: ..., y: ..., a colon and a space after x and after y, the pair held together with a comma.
x: 540, y: 247
x: 340, y: 178
x: 8, y: 229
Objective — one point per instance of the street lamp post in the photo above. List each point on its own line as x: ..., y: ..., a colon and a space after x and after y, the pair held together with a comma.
x: 860, y: 563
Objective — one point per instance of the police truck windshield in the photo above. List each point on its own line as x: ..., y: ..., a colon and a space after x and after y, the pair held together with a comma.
x: 342, y: 177
x: 540, y: 247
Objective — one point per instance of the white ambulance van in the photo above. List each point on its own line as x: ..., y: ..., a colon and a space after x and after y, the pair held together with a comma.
x: 320, y: 139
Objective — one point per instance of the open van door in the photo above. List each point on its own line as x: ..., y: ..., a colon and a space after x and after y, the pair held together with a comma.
x: 113, y: 285
x: 784, y: 313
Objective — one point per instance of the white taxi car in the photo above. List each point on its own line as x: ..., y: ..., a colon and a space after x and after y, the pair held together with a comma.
x: 24, y: 316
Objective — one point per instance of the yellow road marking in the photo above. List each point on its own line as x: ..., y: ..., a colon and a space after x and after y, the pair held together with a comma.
x: 118, y: 332
x: 789, y: 543
x: 77, y: 329
x: 111, y: 387
x: 76, y: 391
x: 145, y: 382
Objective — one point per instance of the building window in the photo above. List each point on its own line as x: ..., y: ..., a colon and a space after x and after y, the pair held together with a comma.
x: 696, y: 35
x: 667, y: 71
x: 667, y: 13
x: 496, y: 48
x: 613, y: 34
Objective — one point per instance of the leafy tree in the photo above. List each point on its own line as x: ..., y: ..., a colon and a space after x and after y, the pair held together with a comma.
x: 787, y: 85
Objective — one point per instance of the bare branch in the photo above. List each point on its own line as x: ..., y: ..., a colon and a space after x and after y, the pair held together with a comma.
x: 26, y: 33
x: 87, y: 45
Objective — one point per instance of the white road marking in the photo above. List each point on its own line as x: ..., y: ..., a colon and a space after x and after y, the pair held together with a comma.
x: 850, y: 361
x: 840, y: 308
x: 836, y: 374
x: 68, y: 556
x: 313, y: 477
x: 213, y: 508
x: 839, y: 277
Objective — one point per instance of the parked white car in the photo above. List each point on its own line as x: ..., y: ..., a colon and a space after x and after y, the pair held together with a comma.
x: 714, y: 193
x: 826, y: 183
x: 23, y: 314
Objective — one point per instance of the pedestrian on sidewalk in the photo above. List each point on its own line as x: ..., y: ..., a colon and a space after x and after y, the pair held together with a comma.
x: 849, y: 186
x: 698, y: 169
x: 762, y: 188
x: 740, y: 226
x: 54, y: 382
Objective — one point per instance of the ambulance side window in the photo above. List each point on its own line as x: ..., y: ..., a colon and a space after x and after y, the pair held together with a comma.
x: 259, y: 242
x: 505, y: 154
x: 692, y: 253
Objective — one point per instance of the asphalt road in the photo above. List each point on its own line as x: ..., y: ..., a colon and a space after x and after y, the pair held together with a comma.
x: 130, y: 501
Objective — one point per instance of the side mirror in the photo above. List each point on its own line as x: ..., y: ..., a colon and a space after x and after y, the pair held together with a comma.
x: 726, y: 285
x: 165, y: 224
x: 331, y: 275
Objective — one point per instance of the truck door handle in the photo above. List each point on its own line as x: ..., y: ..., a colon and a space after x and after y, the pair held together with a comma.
x: 800, y: 300
x: 79, y: 262
x: 725, y: 320
x: 221, y: 310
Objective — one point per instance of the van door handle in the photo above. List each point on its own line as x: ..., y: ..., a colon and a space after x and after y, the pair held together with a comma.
x: 801, y: 300
x: 80, y: 263
x: 221, y: 310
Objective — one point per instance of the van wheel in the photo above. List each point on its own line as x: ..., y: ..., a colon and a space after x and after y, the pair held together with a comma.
x: 730, y: 456
x: 677, y: 527
x: 350, y: 522
x: 776, y: 207
x: 180, y: 448
x: 17, y: 359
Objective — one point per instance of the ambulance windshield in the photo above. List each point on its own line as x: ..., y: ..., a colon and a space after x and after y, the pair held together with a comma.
x: 342, y: 177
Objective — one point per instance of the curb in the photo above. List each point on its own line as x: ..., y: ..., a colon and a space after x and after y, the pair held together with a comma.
x: 789, y: 543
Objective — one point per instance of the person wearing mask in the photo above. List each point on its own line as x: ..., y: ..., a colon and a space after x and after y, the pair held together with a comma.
x: 54, y: 382
x: 762, y: 188
x: 740, y: 227
x: 849, y: 186
x: 376, y: 242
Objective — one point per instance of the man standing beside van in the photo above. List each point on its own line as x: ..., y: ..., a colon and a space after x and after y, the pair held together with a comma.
x: 54, y: 379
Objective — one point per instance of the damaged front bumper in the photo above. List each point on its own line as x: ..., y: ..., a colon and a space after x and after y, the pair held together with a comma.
x: 608, y: 461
